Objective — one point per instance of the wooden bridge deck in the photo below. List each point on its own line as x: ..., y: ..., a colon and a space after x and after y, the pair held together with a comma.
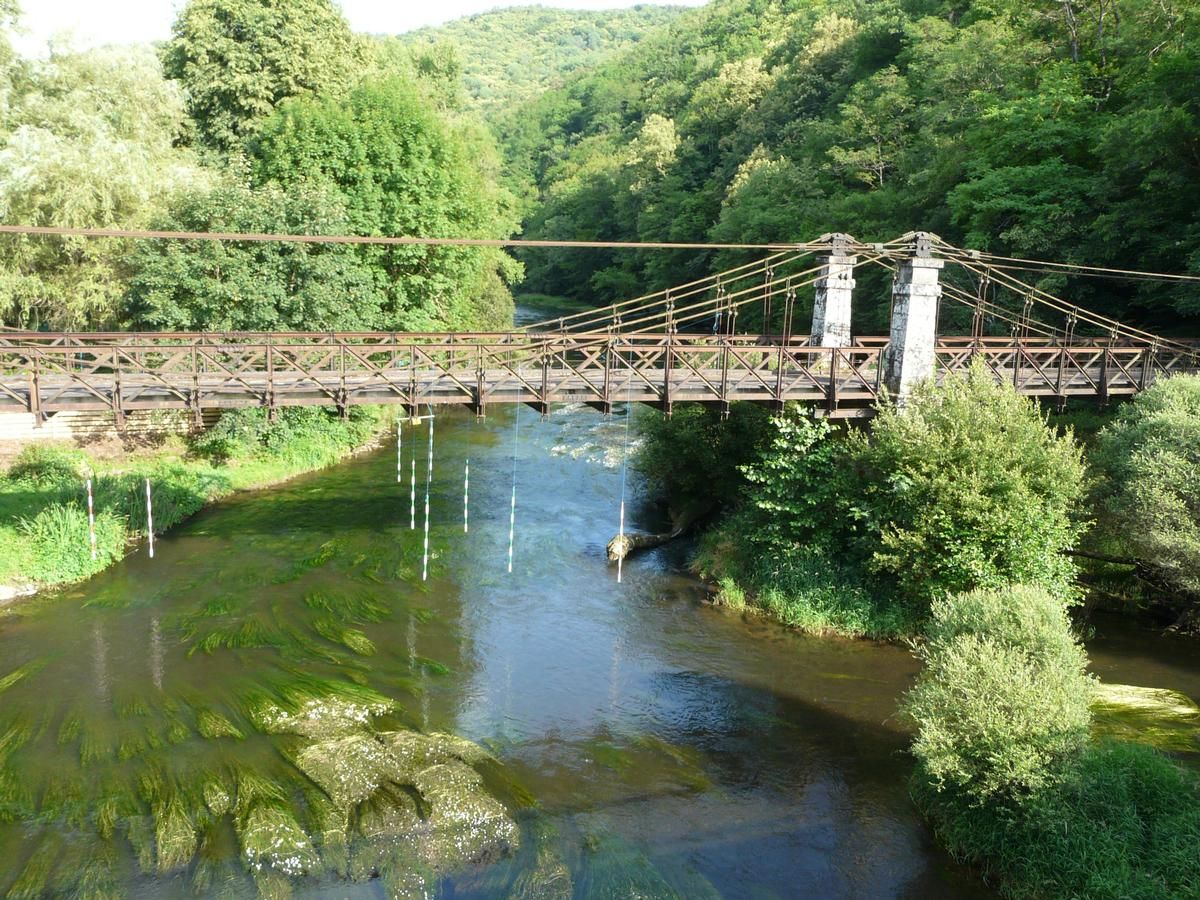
x: 45, y: 374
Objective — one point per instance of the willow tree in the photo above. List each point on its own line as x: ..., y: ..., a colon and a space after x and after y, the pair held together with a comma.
x: 90, y: 142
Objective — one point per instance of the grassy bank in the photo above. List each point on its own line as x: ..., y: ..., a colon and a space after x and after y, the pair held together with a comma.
x: 44, y: 537
x: 804, y: 588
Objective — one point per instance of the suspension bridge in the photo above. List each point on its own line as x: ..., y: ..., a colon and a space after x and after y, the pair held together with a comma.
x: 677, y: 345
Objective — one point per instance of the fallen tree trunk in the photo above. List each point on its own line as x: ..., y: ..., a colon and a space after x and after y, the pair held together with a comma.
x: 635, y: 541
x: 624, y: 544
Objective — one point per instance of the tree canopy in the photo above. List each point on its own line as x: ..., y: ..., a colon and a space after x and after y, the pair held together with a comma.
x: 400, y: 170
x: 90, y: 141
x: 237, y: 59
x: 509, y: 56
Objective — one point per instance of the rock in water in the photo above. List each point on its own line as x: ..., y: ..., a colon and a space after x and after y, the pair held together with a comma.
x: 406, y: 806
x: 1167, y: 720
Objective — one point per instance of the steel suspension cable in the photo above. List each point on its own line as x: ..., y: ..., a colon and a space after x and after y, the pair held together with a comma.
x: 999, y: 312
x: 603, y: 314
x: 704, y: 308
x: 1048, y: 267
x: 965, y: 298
x: 970, y: 261
x: 754, y: 293
x: 1111, y: 325
x: 402, y: 241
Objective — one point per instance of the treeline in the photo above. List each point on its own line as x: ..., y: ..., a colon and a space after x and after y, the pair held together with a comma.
x: 1061, y: 130
x: 510, y: 56
x: 255, y: 117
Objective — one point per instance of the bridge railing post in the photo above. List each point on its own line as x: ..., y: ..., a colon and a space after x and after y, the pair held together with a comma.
x: 1148, y: 355
x: 911, y: 352
x: 834, y: 294
x: 35, y: 393
x: 117, y: 406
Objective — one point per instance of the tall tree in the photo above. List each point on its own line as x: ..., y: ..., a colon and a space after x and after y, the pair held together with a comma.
x: 401, y: 169
x: 231, y: 286
x: 238, y: 59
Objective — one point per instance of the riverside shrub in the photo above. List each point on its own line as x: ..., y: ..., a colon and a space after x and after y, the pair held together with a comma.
x: 44, y: 465
x: 1148, y: 489
x: 965, y: 487
x: 1004, y: 695
x: 694, y: 458
x: 1117, y: 821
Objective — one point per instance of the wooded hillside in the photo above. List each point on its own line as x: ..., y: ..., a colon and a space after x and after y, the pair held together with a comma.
x: 1060, y: 130
x: 509, y: 56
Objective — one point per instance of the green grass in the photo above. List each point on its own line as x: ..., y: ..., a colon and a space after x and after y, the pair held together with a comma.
x: 43, y: 502
x: 1121, y: 820
x: 806, y: 589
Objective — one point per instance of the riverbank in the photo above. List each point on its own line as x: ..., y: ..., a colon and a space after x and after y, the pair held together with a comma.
x: 44, y: 536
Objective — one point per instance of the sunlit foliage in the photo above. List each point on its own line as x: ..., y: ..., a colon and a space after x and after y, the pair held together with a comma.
x: 238, y: 59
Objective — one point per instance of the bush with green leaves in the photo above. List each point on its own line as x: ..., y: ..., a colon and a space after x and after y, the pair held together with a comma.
x: 966, y: 487
x: 799, y: 485
x: 305, y: 434
x: 1148, y: 485
x: 43, y: 465
x: 694, y: 458
x: 1117, y: 821
x: 807, y: 587
x: 1004, y: 696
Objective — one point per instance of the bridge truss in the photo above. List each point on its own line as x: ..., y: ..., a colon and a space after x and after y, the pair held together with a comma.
x: 681, y: 344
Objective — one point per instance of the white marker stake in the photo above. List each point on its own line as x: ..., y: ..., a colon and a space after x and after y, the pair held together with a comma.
x: 149, y: 519
x: 412, y: 495
x: 621, y: 542
x: 512, y: 524
x: 428, y: 483
x: 399, y: 455
x: 466, y: 493
x: 91, y: 519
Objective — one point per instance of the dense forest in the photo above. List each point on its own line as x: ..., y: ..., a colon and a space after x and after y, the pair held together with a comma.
x: 510, y: 56
x: 1067, y: 131
x: 1061, y: 130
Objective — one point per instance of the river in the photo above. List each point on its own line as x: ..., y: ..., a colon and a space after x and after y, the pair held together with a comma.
x: 651, y: 745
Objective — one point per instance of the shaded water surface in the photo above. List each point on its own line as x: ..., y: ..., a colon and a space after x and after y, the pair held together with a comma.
x: 647, y: 745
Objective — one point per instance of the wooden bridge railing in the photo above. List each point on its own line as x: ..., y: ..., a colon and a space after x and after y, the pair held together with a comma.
x: 44, y: 374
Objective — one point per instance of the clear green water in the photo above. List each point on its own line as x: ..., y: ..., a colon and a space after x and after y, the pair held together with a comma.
x: 646, y: 744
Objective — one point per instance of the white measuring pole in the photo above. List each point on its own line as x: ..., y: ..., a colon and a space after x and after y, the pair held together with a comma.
x: 399, y: 454
x: 412, y: 495
x: 621, y: 542
x: 91, y: 519
x: 149, y: 519
x: 512, y: 525
x: 512, y: 508
x: 466, y: 493
x: 428, y: 483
